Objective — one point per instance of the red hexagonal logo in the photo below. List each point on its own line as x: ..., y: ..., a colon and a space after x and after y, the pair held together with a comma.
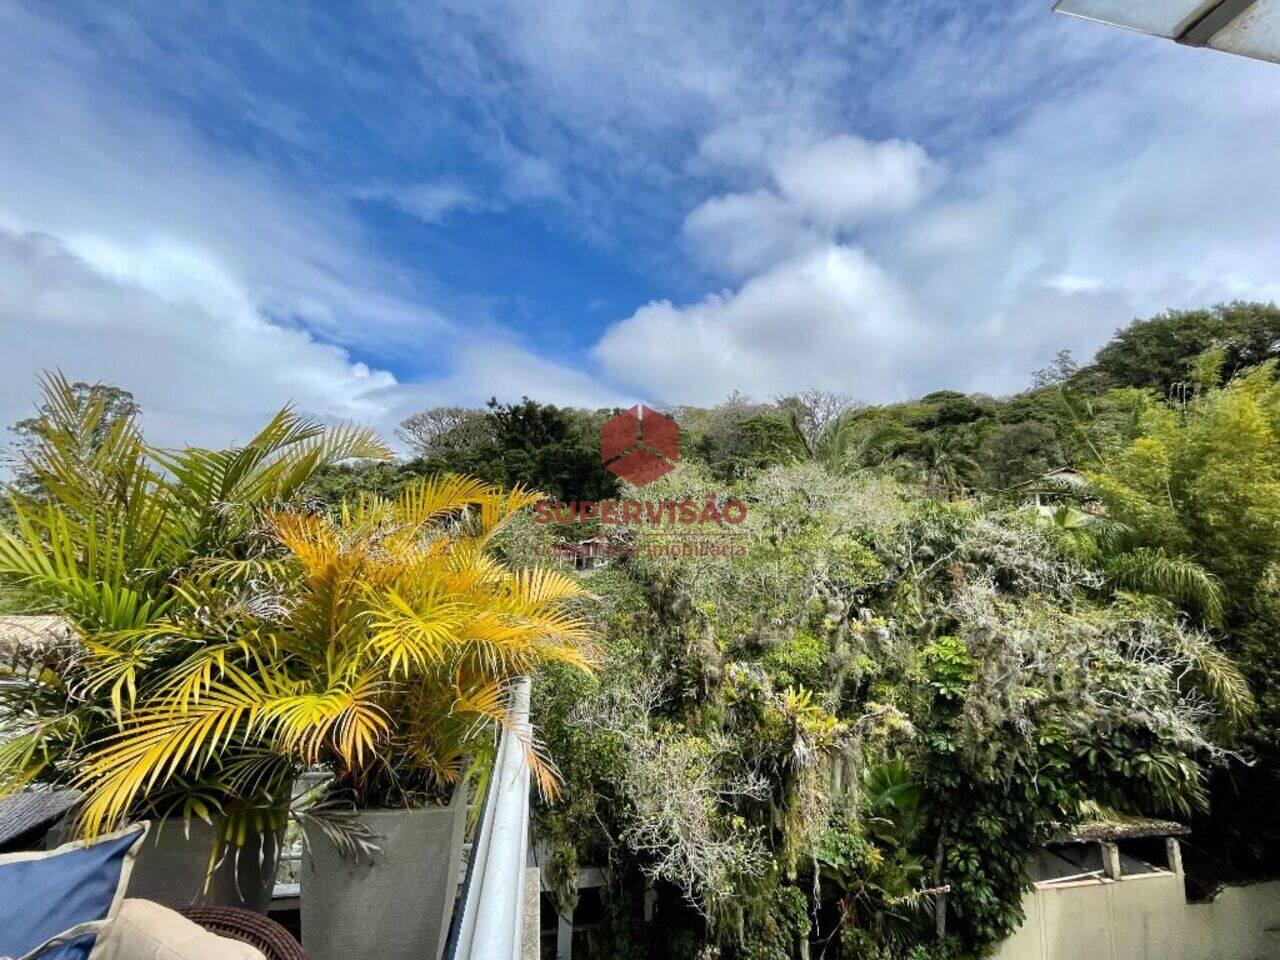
x: 640, y: 445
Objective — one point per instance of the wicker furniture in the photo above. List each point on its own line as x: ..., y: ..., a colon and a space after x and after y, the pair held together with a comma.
x: 236, y: 923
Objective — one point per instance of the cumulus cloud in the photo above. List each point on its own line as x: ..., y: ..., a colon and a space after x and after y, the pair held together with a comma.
x: 844, y: 180
x: 1096, y: 202
x: 205, y: 369
x: 831, y: 318
x: 509, y: 371
x: 941, y: 197
x: 211, y: 288
x: 821, y: 189
x: 739, y: 234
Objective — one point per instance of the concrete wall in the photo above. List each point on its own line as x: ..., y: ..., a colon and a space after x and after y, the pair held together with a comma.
x: 1129, y: 919
x: 1145, y: 918
x: 1241, y: 923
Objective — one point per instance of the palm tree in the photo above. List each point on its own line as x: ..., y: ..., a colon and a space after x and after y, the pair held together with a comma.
x: 945, y: 461
x: 1110, y: 547
x: 123, y: 540
x: 850, y: 443
x: 388, y: 665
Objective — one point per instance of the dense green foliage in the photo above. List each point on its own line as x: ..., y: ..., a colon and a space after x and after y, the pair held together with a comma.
x: 1203, y: 481
x: 878, y: 681
x: 534, y: 445
x: 1161, y: 352
x: 846, y: 740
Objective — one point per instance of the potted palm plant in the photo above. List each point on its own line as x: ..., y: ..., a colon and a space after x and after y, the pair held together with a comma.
x: 426, y: 628
x: 385, y: 662
x: 153, y: 557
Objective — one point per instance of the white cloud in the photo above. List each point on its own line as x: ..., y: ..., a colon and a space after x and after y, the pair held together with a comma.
x: 845, y: 180
x: 509, y: 372
x: 204, y: 369
x: 1070, y: 283
x: 798, y: 151
x: 430, y: 202
x: 831, y: 319
x: 822, y: 189
x: 528, y: 177
x: 212, y: 288
x: 742, y: 233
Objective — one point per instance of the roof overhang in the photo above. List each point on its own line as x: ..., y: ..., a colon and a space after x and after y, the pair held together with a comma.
x: 1250, y: 28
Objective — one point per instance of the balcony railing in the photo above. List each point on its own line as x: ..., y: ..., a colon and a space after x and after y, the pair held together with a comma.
x: 494, y: 907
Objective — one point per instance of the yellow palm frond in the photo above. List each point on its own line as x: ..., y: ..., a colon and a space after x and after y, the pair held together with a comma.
x: 414, y: 635
x: 186, y: 683
x: 158, y: 744
x: 311, y: 539
x: 542, y: 587
x: 432, y: 499
x: 497, y: 510
x: 347, y: 718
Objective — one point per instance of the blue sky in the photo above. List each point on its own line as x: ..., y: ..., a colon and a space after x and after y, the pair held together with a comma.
x: 371, y: 208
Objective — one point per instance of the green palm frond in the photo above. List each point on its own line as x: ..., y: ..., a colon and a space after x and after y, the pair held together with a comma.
x: 227, y: 642
x: 1219, y: 677
x: 164, y: 565
x: 1183, y: 581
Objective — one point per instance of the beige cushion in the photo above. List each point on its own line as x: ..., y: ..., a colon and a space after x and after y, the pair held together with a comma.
x: 143, y: 930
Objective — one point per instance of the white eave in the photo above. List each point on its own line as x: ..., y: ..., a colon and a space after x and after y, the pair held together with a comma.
x: 1249, y: 28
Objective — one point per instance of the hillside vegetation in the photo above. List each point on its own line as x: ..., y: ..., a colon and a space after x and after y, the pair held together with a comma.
x: 845, y: 740
x: 848, y: 741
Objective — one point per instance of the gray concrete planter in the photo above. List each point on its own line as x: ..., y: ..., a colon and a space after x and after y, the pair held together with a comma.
x: 395, y: 907
x: 172, y: 864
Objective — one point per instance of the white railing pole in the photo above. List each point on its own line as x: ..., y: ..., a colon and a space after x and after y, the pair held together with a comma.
x: 493, y: 901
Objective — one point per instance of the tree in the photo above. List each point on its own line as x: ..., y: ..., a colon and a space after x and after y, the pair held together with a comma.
x: 967, y: 690
x: 110, y: 405
x: 387, y: 664
x: 155, y: 557
x: 1160, y: 352
x: 1201, y: 484
x: 1012, y: 453
x: 815, y: 410
x: 555, y: 450
x: 442, y: 431
x: 946, y: 461
x: 1203, y: 480
x: 1060, y: 371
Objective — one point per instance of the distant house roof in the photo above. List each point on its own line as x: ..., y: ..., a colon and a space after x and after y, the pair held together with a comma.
x: 1062, y: 477
x: 1130, y: 828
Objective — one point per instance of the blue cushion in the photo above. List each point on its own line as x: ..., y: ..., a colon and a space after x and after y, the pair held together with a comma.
x: 44, y: 894
x: 72, y: 946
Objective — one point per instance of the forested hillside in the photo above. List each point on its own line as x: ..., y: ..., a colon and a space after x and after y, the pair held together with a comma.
x: 856, y: 734
x: 952, y: 442
x: 846, y: 740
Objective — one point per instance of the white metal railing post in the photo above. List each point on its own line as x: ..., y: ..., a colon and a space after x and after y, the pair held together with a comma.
x: 492, y: 907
